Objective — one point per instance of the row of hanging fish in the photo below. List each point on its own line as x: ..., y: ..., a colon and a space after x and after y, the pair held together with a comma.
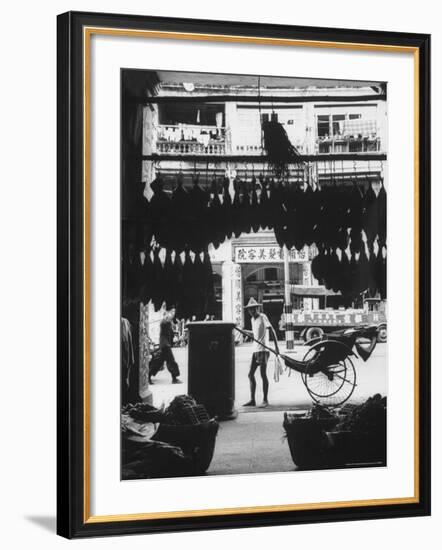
x: 331, y: 216
x: 352, y: 273
x: 334, y: 218
x: 181, y: 280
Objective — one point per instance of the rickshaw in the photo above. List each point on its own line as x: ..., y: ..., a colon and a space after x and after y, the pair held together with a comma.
x: 327, y: 369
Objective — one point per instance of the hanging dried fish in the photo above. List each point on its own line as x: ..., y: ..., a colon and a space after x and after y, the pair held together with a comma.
x: 227, y: 212
x: 382, y: 216
x: 198, y: 201
x: 264, y: 213
x: 147, y: 278
x: 245, y: 208
x: 188, y: 287
x: 159, y: 213
x: 278, y: 146
x: 370, y: 221
x: 209, y: 291
x: 157, y: 295
x: 214, y: 216
x: 170, y: 289
x: 236, y: 209
x: 254, y: 207
x: 179, y: 216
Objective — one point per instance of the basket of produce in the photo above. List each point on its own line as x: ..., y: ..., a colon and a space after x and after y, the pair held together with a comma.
x: 360, y: 437
x: 307, y: 436
x: 178, y: 441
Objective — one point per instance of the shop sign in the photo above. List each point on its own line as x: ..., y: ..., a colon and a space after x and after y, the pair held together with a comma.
x: 324, y: 318
x: 268, y: 254
x: 237, y: 300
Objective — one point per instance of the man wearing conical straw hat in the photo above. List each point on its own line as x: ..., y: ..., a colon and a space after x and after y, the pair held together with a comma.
x: 260, y: 334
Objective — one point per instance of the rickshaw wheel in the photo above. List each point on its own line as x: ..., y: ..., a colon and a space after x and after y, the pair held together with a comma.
x: 334, y: 384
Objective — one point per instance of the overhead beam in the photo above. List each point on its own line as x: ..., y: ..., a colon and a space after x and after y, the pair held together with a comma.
x: 322, y: 157
x: 259, y: 99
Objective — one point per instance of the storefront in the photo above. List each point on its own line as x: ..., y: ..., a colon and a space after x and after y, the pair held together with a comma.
x: 252, y: 266
x: 206, y: 138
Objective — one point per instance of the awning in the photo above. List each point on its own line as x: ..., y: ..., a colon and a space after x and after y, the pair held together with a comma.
x: 302, y: 290
x: 359, y: 126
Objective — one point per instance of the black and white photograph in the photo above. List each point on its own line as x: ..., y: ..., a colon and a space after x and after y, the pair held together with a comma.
x: 253, y: 274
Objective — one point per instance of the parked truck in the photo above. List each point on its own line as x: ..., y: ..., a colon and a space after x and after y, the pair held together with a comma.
x: 309, y: 324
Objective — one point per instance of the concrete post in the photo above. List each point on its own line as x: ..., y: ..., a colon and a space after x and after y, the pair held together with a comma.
x: 144, y: 356
x: 288, y: 313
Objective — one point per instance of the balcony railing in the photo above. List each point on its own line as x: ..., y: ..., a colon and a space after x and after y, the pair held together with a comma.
x: 338, y: 144
x: 353, y: 136
x: 182, y: 139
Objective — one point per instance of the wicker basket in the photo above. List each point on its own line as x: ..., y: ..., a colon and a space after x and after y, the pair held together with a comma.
x: 308, y: 441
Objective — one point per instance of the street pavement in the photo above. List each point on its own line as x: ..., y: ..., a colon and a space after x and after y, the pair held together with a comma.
x: 254, y: 442
x: 287, y: 394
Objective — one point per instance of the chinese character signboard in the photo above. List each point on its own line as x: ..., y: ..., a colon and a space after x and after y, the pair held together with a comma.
x: 237, y: 295
x: 309, y: 317
x: 268, y: 254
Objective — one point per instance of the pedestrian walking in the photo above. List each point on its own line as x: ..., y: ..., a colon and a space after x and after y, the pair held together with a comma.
x: 165, y: 351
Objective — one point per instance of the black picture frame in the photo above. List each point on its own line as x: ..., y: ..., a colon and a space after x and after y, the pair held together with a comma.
x: 72, y: 392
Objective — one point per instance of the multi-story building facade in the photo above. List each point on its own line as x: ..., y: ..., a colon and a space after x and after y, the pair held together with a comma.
x: 213, y: 126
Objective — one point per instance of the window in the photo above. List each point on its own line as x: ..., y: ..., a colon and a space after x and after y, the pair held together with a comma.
x: 323, y: 125
x: 271, y: 274
x: 333, y: 125
x: 191, y: 113
x: 338, y: 124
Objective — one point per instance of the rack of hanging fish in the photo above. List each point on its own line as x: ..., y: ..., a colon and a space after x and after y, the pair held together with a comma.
x: 167, y: 238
